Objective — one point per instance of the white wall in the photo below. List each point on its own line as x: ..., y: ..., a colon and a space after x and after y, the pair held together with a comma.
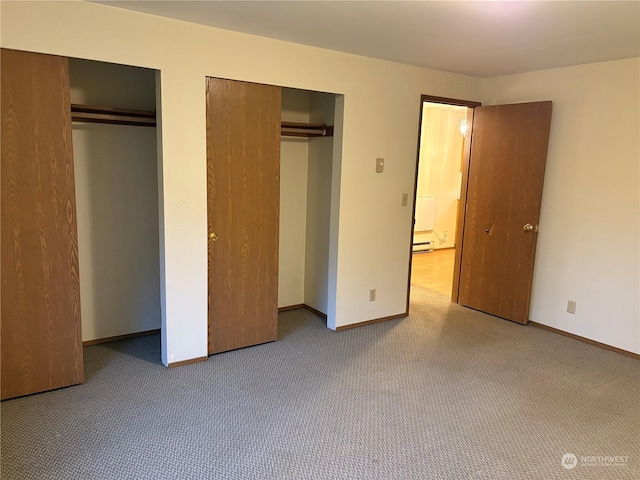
x: 117, y: 203
x: 380, y: 106
x: 294, y: 153
x: 588, y: 245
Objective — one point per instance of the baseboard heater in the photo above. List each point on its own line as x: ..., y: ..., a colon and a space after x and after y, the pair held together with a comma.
x: 423, y: 247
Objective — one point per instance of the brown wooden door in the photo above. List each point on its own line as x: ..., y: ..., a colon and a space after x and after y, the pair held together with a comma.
x: 243, y: 184
x: 506, y: 172
x: 40, y: 331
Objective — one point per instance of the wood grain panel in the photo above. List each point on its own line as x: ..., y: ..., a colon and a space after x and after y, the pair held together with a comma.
x: 40, y: 330
x: 506, y: 173
x: 243, y: 181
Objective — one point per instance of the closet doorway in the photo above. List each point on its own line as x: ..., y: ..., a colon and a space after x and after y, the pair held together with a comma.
x: 270, y: 164
x: 308, y: 187
x: 116, y: 182
x: 79, y: 216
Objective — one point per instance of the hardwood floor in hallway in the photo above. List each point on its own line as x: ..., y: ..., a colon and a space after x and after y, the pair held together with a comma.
x: 434, y: 270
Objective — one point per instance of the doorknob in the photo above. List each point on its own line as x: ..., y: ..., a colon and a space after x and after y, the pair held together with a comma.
x: 213, y: 236
x: 530, y: 228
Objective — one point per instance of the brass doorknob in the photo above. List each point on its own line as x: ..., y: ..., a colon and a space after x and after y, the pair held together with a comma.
x: 530, y: 228
x: 213, y: 236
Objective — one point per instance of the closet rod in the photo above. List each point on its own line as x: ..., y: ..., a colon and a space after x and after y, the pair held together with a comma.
x: 93, y: 114
x: 293, y: 129
x: 145, y: 118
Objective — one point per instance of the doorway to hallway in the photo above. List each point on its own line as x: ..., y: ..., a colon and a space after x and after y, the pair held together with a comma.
x: 437, y: 194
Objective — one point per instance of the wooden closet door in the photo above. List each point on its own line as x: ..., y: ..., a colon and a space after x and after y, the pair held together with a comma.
x: 243, y: 184
x: 40, y: 325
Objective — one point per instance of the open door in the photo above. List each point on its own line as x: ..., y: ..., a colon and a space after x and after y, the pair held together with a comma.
x: 243, y: 202
x: 41, y: 330
x: 506, y: 173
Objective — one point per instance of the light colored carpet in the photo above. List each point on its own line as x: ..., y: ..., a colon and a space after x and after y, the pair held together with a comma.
x: 447, y: 393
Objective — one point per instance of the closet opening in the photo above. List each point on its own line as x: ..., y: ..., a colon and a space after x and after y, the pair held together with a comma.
x: 306, y: 186
x: 280, y: 144
x: 116, y: 179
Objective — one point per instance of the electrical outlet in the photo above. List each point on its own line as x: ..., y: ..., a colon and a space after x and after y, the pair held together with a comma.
x: 379, y: 165
x: 571, y: 307
x: 405, y: 199
x: 372, y: 295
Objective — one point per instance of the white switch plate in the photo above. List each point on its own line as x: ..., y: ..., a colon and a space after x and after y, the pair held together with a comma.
x: 379, y: 165
x: 571, y: 307
x: 405, y: 199
x: 372, y: 295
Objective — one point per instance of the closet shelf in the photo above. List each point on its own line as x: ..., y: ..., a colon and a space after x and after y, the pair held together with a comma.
x: 118, y: 116
x: 292, y: 129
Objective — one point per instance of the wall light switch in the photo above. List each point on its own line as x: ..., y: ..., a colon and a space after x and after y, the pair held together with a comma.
x: 571, y: 307
x: 405, y: 199
x: 379, y: 165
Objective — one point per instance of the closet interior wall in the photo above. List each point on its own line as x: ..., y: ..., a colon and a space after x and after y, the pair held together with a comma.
x: 117, y: 203
x: 319, y: 188
x: 305, y: 200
